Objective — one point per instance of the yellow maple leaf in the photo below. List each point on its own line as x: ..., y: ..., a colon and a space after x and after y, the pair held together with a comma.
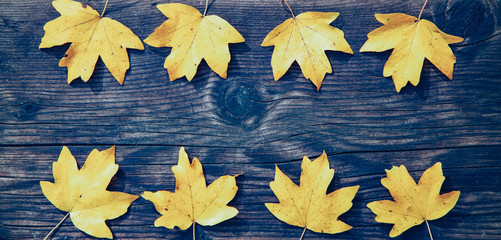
x: 193, y: 202
x: 82, y: 193
x: 92, y: 36
x: 305, y: 38
x: 413, y: 203
x: 307, y: 205
x: 193, y: 37
x: 413, y: 40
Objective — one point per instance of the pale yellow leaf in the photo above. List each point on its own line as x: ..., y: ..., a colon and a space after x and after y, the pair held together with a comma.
x: 83, y: 192
x: 305, y: 39
x: 413, y: 40
x: 193, y: 37
x: 92, y: 36
x: 193, y: 202
x: 308, y: 205
x: 414, y: 203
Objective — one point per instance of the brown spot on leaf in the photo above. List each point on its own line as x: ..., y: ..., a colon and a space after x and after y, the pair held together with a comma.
x: 67, y: 56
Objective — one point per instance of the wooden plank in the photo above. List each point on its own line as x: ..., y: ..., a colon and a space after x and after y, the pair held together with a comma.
x: 248, y: 122
x: 26, y: 212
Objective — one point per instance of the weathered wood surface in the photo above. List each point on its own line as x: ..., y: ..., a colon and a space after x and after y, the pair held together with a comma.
x: 248, y: 122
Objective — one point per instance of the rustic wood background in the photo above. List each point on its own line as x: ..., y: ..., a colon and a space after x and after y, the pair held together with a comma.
x: 247, y: 123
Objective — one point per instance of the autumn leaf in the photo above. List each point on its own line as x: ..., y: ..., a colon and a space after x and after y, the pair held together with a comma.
x: 193, y: 37
x: 92, y: 36
x: 413, y: 40
x: 193, y: 202
x: 304, y: 39
x: 308, y: 205
x: 82, y: 193
x: 413, y: 203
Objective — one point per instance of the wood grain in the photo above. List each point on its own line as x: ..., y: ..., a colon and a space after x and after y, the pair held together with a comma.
x: 247, y: 123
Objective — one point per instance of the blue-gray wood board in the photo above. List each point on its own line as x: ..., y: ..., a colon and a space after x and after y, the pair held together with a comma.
x: 248, y: 123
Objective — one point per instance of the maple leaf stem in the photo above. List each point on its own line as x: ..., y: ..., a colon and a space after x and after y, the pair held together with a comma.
x: 302, y: 234
x: 193, y: 231
x: 104, y: 9
x: 53, y: 229
x: 429, y: 230
x: 422, y: 9
x: 205, y: 12
x: 290, y: 9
